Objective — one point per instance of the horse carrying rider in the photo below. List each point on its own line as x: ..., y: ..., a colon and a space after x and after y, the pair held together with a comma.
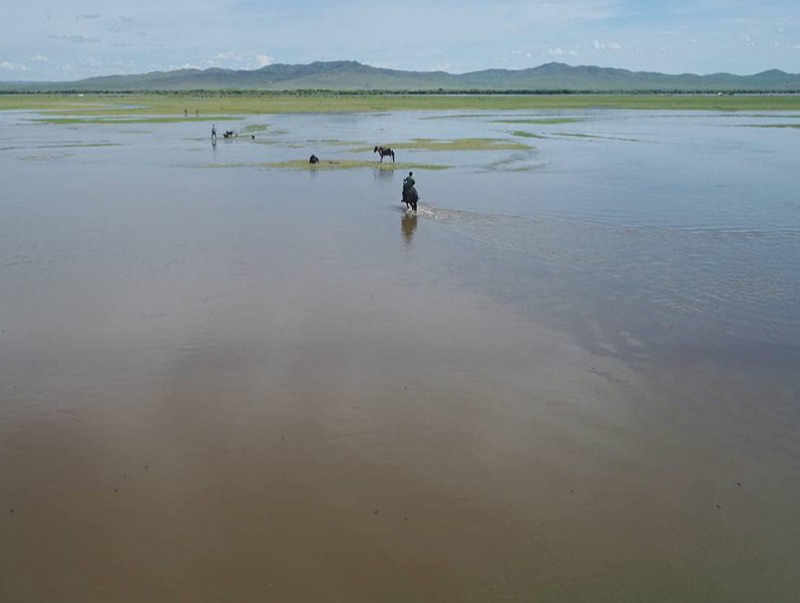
x: 408, y: 182
x: 410, y: 195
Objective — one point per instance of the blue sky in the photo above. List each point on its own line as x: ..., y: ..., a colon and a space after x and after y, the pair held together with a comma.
x: 72, y: 39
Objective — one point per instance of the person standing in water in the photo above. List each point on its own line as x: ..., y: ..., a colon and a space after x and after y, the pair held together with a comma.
x: 213, y: 134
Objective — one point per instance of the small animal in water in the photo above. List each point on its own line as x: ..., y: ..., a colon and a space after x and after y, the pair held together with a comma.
x: 313, y: 159
x: 229, y: 134
x: 384, y: 152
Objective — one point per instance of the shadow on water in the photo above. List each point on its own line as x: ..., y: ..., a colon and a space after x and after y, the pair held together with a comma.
x: 409, y: 226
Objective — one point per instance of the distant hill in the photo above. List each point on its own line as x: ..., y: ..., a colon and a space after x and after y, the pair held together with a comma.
x: 352, y: 75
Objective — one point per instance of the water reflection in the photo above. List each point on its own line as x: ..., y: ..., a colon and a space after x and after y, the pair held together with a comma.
x: 383, y: 173
x: 409, y: 227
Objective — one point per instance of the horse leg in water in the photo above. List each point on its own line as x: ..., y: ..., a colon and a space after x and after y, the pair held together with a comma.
x: 413, y: 198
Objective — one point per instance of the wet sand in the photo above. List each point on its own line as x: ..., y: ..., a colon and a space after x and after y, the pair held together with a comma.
x: 227, y: 385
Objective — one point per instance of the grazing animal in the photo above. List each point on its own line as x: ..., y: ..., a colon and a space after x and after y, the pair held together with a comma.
x: 384, y: 152
x: 228, y: 134
x: 313, y: 159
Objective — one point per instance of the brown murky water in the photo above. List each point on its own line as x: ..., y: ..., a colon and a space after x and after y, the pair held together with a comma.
x: 249, y: 385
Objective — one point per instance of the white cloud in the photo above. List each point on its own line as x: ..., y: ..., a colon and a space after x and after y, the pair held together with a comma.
x: 75, y: 38
x: 598, y: 45
x: 521, y: 53
x: 262, y: 60
x: 39, y: 58
x: 560, y: 52
x: 8, y: 66
x: 223, y: 56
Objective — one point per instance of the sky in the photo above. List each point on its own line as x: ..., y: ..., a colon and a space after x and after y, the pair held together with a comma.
x: 74, y: 39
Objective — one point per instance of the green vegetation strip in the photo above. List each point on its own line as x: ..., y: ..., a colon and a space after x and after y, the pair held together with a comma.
x: 593, y: 137
x: 524, y: 134
x: 541, y: 122
x: 134, y: 120
x: 333, y: 142
x: 238, y: 103
x: 253, y: 128
x: 456, y: 144
x: 775, y: 126
x: 344, y: 164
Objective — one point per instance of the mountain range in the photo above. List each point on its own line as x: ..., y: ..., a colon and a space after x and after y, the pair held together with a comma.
x: 355, y: 76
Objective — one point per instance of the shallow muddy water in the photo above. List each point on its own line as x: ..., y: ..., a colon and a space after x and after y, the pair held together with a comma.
x: 573, y: 376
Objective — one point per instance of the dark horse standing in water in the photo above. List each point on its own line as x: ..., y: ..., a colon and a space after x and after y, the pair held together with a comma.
x: 410, y: 197
x: 384, y: 152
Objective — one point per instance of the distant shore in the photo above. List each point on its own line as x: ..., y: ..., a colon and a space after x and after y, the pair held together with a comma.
x: 194, y: 104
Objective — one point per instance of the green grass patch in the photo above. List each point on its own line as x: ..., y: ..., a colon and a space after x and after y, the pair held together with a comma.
x: 54, y: 157
x: 594, y: 137
x: 331, y: 142
x: 65, y: 145
x: 253, y: 128
x: 568, y: 135
x: 219, y: 104
x: 119, y: 121
x: 456, y: 144
x: 774, y: 126
x: 540, y: 122
x: 459, y: 116
x: 524, y: 134
x: 516, y: 163
x: 344, y: 164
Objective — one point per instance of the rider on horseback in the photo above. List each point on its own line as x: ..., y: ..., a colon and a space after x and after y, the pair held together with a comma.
x: 408, y: 182
x: 410, y: 196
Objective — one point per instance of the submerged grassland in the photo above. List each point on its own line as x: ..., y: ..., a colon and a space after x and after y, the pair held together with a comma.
x: 215, y: 105
x: 540, y: 122
x: 343, y: 164
x: 456, y: 144
x: 113, y: 120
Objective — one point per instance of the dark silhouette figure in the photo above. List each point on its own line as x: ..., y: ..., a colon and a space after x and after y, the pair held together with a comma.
x: 410, y: 195
x: 313, y: 160
x: 411, y: 198
x: 384, y: 152
x: 213, y: 134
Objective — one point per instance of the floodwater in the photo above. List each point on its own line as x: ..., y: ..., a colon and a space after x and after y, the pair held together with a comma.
x: 573, y: 376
